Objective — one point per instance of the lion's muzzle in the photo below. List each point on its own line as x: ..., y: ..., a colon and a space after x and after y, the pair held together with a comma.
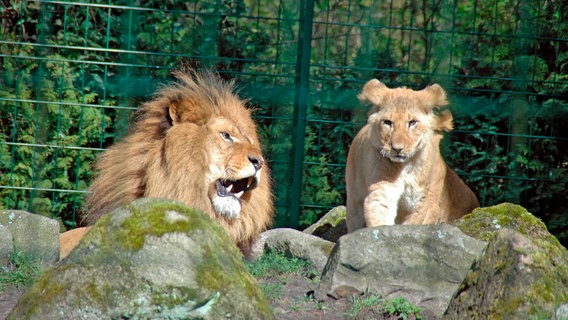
x: 229, y: 191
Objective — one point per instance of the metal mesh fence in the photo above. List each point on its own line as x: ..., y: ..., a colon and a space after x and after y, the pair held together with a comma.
x: 73, y: 72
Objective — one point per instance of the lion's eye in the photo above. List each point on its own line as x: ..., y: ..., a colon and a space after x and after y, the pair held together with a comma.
x: 227, y: 136
x: 387, y: 123
x: 412, y: 123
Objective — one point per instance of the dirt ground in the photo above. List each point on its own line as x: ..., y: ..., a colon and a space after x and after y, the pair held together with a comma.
x: 296, y: 301
x: 8, y: 300
x: 292, y: 299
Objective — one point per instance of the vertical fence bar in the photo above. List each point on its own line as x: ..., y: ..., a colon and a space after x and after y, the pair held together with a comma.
x: 300, y: 104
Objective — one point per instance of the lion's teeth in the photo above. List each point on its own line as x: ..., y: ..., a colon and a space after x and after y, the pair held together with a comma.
x: 229, y: 188
x: 249, y: 182
x: 239, y: 194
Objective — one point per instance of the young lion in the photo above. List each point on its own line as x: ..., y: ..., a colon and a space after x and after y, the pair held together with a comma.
x: 395, y: 171
x: 196, y: 143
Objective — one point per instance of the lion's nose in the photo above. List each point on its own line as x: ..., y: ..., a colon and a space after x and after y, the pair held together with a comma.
x: 397, y: 150
x: 256, y: 161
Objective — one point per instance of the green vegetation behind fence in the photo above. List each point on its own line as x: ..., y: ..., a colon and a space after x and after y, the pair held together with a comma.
x: 73, y: 72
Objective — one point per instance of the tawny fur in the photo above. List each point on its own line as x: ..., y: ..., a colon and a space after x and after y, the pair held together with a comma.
x: 189, y: 136
x: 395, y: 171
x: 68, y: 240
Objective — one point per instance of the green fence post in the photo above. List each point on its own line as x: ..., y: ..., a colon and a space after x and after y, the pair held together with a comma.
x: 300, y: 105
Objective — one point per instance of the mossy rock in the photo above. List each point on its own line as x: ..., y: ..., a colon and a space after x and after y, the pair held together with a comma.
x: 523, y: 273
x: 152, y: 259
x: 482, y: 223
x: 331, y: 226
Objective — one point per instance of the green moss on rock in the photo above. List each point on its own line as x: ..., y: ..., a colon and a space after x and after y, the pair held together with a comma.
x: 331, y: 226
x: 151, y: 259
x: 155, y: 221
x: 523, y: 272
x: 482, y: 223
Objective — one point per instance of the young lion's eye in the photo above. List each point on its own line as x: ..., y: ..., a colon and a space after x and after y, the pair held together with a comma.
x: 412, y: 123
x: 387, y: 123
x: 227, y: 136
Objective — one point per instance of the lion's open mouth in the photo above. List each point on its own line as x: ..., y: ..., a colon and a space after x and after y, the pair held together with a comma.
x: 234, y: 188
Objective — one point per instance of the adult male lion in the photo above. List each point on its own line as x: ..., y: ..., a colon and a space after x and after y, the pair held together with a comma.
x: 196, y: 143
x: 395, y: 171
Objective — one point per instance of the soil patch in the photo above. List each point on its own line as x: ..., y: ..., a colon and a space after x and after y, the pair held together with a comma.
x: 8, y: 299
x: 292, y: 297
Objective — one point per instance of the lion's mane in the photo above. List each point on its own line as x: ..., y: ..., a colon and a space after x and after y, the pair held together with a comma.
x: 194, y: 142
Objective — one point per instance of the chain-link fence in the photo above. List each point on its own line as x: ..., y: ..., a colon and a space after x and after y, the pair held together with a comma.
x: 72, y: 72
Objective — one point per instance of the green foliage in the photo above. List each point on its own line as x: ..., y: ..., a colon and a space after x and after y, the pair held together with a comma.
x: 21, y: 271
x: 527, y: 167
x: 274, y: 264
x: 318, y: 187
x: 77, y: 71
x: 277, y: 265
x: 398, y: 307
x: 359, y: 303
x: 401, y: 308
x: 47, y: 116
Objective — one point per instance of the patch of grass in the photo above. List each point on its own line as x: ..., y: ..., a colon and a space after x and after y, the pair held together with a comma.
x: 277, y: 265
x: 21, y: 271
x: 308, y: 303
x: 359, y: 303
x: 399, y: 307
x: 272, y: 291
x: 274, y: 264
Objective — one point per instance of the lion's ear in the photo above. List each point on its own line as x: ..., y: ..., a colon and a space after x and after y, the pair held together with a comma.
x: 434, y: 96
x: 184, y: 109
x: 444, y: 121
x: 373, y: 92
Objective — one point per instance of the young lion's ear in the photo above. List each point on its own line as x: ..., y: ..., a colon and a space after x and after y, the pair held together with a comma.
x: 185, y: 109
x: 434, y: 96
x: 444, y: 121
x: 373, y: 92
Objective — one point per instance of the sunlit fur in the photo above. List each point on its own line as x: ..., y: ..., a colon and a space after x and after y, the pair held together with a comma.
x: 191, y: 134
x: 395, y: 171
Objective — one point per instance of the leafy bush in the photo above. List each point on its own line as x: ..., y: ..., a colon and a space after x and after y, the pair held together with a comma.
x: 53, y: 131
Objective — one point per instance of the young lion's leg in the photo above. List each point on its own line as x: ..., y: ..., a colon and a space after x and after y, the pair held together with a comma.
x: 381, y: 205
x: 355, y: 215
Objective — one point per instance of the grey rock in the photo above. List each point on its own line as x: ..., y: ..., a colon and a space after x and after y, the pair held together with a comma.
x: 561, y: 312
x: 6, y: 245
x: 514, y: 279
x: 293, y: 243
x: 34, y: 235
x: 331, y: 226
x: 152, y: 259
x: 422, y: 263
x: 524, y: 269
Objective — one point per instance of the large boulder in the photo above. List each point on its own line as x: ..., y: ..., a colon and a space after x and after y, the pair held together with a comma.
x: 152, y: 259
x: 422, y: 263
x: 523, y: 273
x: 33, y: 235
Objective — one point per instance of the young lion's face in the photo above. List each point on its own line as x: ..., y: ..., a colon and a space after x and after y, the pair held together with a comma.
x: 402, y: 121
x: 401, y: 127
